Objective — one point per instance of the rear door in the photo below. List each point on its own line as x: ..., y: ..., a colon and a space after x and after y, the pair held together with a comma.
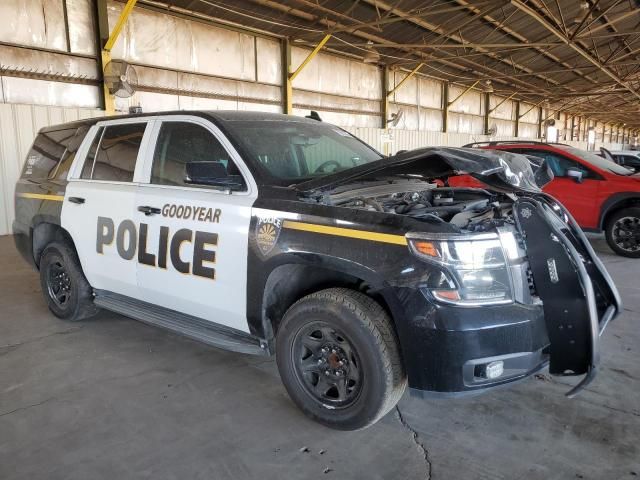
x: 99, y: 203
x: 194, y: 238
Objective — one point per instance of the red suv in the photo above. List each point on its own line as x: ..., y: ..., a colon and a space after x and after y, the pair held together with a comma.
x: 599, y: 193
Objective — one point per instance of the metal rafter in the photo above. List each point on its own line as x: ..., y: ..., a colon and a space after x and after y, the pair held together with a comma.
x: 579, y: 50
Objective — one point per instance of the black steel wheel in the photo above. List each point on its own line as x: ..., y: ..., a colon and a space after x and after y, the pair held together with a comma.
x: 327, y: 365
x: 58, y: 283
x: 623, y: 232
x: 339, y: 359
x: 66, y: 290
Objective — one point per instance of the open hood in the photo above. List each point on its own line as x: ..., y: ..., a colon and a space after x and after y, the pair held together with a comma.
x: 503, y: 171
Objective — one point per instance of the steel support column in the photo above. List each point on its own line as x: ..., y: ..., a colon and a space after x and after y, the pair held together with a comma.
x: 445, y: 107
x: 516, y: 128
x: 109, y: 103
x: 287, y: 93
x: 487, y: 111
x: 385, y: 96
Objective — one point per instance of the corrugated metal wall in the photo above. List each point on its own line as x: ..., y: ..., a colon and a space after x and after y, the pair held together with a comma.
x: 18, y: 127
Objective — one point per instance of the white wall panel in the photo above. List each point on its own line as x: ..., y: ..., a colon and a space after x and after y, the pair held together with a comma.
x: 505, y: 110
x: 531, y: 115
x: 19, y: 125
x: 336, y: 75
x: 167, y: 41
x: 431, y: 119
x: 527, y: 130
x: 505, y: 127
x: 269, y: 61
x: 36, y: 23
x: 430, y: 92
x: 470, y: 102
x: 81, y: 26
x: 460, y: 123
x: 44, y: 92
x: 408, y: 92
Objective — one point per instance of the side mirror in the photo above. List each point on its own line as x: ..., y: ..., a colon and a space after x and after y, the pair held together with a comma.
x: 575, y: 174
x: 213, y: 174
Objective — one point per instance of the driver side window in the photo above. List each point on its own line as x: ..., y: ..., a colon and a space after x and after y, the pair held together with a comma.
x: 180, y: 143
x: 558, y: 163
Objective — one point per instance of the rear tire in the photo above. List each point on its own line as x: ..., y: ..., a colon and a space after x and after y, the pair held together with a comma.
x: 623, y: 232
x: 339, y: 359
x: 64, y: 286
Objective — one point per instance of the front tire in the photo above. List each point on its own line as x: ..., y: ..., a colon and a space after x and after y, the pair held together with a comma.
x: 623, y: 232
x: 339, y: 359
x: 65, y: 288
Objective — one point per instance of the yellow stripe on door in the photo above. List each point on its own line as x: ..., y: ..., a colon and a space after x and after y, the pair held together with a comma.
x: 41, y: 196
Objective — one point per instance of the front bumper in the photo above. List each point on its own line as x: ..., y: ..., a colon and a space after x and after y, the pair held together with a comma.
x: 445, y: 347
x: 450, y: 346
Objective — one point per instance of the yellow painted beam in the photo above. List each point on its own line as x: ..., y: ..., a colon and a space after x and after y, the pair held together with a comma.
x: 411, y: 74
x: 109, y: 101
x: 536, y: 105
x: 309, y: 57
x: 126, y: 11
x: 462, y: 94
x: 504, y: 100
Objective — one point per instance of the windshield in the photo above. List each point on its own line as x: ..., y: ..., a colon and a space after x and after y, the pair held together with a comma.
x: 294, y: 151
x: 597, y: 161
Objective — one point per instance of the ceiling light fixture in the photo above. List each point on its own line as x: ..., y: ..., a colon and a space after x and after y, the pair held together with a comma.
x: 371, y: 56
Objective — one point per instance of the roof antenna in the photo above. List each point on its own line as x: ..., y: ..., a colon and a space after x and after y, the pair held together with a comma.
x: 314, y: 116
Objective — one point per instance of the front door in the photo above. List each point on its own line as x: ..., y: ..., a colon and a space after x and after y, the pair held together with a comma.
x: 99, y: 204
x: 193, y: 252
x: 578, y: 197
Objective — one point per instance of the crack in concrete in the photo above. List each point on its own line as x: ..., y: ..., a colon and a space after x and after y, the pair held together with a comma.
x: 12, y: 346
x: 26, y: 407
x: 416, y: 441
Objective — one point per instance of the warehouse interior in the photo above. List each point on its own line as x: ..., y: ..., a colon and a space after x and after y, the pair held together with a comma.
x: 113, y: 398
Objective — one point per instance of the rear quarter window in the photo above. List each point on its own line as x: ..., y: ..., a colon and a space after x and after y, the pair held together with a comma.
x: 52, y: 153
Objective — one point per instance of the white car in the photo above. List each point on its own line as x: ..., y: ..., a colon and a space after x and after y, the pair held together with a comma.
x: 628, y: 158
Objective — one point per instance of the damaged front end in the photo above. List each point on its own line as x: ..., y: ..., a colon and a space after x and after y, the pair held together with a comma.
x: 507, y: 246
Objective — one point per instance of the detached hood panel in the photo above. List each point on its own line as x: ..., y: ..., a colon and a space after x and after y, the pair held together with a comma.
x: 503, y: 171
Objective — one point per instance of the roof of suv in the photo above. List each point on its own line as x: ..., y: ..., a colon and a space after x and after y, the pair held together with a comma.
x: 219, y: 115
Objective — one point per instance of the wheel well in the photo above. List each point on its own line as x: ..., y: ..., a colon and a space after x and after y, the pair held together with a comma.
x: 622, y: 204
x: 289, y: 283
x: 45, y: 233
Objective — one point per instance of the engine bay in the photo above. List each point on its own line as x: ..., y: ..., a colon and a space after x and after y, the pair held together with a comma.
x: 469, y: 209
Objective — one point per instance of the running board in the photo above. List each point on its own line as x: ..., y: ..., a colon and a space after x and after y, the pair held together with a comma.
x: 196, y: 328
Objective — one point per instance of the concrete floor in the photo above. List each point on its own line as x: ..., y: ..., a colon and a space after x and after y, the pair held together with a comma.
x: 112, y: 398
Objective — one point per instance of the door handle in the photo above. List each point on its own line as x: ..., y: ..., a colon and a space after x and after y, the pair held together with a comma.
x: 78, y: 200
x: 147, y: 210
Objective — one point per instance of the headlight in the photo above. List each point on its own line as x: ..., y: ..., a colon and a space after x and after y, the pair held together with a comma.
x: 473, y: 269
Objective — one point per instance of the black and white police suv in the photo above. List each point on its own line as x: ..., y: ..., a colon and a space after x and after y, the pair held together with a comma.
x: 265, y: 233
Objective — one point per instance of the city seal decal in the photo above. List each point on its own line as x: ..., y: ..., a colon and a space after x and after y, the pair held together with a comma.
x: 267, y: 233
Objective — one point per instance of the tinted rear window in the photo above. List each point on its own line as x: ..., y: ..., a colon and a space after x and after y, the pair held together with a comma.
x: 46, y: 152
x: 115, y: 149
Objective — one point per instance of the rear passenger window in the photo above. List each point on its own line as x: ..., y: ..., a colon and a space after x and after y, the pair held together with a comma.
x: 113, y: 153
x: 46, y: 152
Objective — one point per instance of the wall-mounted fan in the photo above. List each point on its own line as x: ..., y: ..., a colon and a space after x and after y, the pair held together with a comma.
x: 395, y: 118
x: 120, y: 78
x: 493, y: 129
